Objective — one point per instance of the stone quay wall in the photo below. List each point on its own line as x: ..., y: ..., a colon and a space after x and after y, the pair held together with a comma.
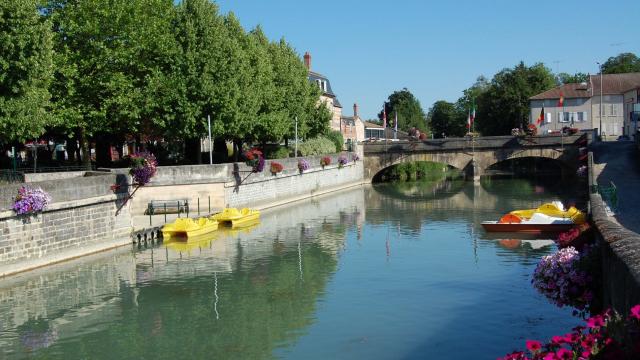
x: 235, y: 185
x: 80, y: 220
x: 620, y: 262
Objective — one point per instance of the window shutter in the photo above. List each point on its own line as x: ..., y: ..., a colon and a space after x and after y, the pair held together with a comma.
x: 560, y: 119
x: 548, y: 118
x: 584, y: 116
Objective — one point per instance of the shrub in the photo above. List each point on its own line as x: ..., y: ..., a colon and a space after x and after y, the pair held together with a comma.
x: 316, y: 146
x: 336, y: 137
x: 275, y: 167
x: 281, y: 152
x: 31, y: 200
x: 326, y: 160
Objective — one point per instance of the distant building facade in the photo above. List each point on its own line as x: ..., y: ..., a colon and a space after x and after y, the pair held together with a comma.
x: 351, y: 127
x: 582, y: 105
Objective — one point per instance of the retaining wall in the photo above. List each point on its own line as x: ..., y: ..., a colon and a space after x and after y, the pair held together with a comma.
x: 81, y: 220
x: 620, y: 255
x: 235, y: 185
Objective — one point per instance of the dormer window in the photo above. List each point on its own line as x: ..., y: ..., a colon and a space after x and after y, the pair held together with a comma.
x: 322, y: 84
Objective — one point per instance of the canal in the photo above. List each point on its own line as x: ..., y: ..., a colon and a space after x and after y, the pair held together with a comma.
x: 391, y: 271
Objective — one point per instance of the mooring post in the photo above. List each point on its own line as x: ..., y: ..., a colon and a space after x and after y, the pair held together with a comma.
x: 198, y: 206
x: 165, y: 212
x: 209, y: 204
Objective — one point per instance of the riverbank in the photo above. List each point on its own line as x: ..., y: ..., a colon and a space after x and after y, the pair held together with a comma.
x: 90, y: 211
x: 617, y: 231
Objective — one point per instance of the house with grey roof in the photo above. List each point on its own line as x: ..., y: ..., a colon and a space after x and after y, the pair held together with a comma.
x: 615, y: 97
x: 351, y: 127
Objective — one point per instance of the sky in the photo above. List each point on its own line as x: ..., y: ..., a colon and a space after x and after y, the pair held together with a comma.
x: 436, y: 49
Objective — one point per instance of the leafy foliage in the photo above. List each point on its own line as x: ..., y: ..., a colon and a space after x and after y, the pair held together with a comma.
x: 447, y: 118
x: 337, y: 138
x: 317, y: 146
x: 504, y: 104
x: 408, y: 108
x: 623, y: 63
x: 564, y: 78
x: 26, y: 63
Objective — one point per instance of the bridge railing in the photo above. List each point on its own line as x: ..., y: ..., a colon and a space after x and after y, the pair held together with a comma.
x: 479, y: 143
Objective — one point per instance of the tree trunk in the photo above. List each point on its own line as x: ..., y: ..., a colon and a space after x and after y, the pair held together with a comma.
x: 220, y: 149
x: 192, y: 151
x: 86, y: 149
x: 103, y: 150
x: 72, y: 148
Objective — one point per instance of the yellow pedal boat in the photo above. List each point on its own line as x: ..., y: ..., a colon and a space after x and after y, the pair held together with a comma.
x: 186, y: 244
x: 554, y: 209
x: 237, y: 218
x: 189, y: 227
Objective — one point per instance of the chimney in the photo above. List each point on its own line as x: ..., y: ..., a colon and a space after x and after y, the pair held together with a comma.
x: 355, y: 110
x: 307, y: 60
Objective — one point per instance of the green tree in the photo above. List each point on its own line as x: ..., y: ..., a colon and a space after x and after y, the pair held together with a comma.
x: 407, y: 107
x: 446, y: 118
x: 504, y: 105
x: 108, y: 55
x: 623, y: 63
x: 565, y: 78
x: 26, y: 70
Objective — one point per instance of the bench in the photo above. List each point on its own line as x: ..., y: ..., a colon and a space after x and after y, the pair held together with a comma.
x: 167, y: 207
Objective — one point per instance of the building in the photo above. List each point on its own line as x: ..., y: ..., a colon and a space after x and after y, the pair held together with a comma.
x: 584, y: 102
x: 351, y: 127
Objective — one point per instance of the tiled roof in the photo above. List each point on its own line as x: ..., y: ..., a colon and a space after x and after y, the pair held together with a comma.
x: 313, y: 76
x: 370, y: 125
x: 569, y: 91
x: 612, y: 84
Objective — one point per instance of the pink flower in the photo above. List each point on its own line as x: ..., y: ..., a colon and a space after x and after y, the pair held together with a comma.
x: 595, y: 322
x: 533, y: 346
x: 550, y: 356
x: 635, y: 312
x: 557, y: 340
x: 588, y: 342
x: 564, y: 354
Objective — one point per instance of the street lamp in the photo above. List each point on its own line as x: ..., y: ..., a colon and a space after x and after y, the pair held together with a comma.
x: 600, y: 65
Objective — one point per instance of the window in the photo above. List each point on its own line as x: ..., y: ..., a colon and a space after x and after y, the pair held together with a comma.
x: 614, y: 110
x: 547, y: 118
x: 563, y: 117
x: 582, y: 116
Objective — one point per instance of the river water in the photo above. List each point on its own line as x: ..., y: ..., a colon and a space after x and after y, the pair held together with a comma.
x: 396, y: 271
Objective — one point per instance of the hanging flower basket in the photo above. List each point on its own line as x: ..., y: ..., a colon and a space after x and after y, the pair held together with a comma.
x: 342, y: 161
x: 254, y: 159
x: 143, y: 167
x: 31, y: 201
x: 303, y: 165
x: 355, y: 157
x: 325, y: 161
x: 275, y: 168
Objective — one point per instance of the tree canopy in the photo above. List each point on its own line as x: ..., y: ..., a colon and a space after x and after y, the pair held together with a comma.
x: 566, y: 78
x: 623, y: 63
x: 26, y: 70
x: 147, y: 69
x: 408, y: 108
x: 447, y: 119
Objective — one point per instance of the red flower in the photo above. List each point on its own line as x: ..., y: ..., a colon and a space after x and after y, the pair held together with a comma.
x: 533, y: 346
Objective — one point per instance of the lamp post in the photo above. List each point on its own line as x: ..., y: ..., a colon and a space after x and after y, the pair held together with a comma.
x: 296, y: 146
x: 600, y: 65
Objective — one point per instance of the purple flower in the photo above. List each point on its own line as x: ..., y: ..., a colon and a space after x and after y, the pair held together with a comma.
x: 342, y: 161
x: 303, y: 165
x: 31, y: 200
x: 143, y: 167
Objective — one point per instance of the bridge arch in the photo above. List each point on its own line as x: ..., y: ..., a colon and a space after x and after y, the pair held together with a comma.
x: 378, y: 164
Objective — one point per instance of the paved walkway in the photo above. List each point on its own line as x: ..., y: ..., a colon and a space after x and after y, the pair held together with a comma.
x: 619, y: 161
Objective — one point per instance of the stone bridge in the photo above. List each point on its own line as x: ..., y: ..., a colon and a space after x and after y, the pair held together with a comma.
x: 475, y: 156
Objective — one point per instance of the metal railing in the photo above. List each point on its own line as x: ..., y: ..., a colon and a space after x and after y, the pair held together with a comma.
x: 609, y: 194
x: 45, y: 169
x: 10, y: 176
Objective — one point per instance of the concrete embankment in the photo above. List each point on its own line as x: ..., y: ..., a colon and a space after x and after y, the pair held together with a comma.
x: 620, y: 245
x: 86, y: 216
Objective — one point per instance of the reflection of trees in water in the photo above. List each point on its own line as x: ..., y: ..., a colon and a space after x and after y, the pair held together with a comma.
x: 421, y: 190
x: 540, y: 187
x: 259, y: 309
